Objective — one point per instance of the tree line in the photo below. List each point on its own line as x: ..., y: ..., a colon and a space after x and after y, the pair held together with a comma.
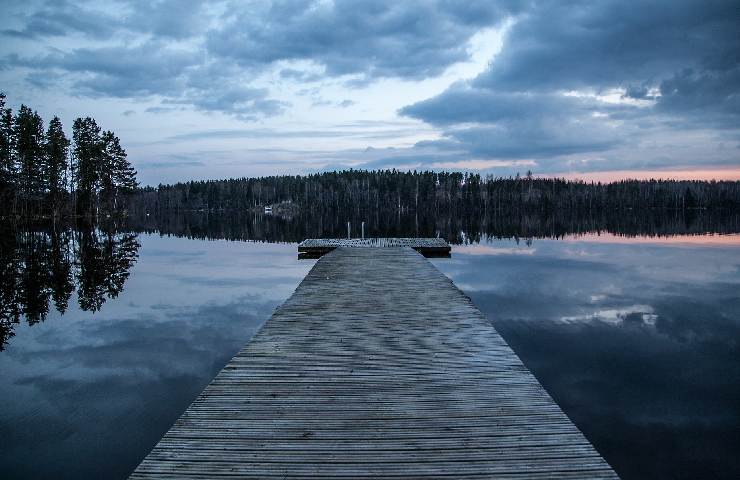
x: 362, y: 192
x: 43, y: 173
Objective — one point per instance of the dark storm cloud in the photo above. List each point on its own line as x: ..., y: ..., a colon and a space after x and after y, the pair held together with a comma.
x: 688, y: 49
x: 519, y: 124
x: 462, y: 104
x: 711, y: 95
x: 61, y: 18
x: 681, y: 58
x: 572, y: 45
x: 414, y: 39
x: 207, y: 56
x: 177, y: 19
x: 675, y: 64
x: 149, y: 69
x: 181, y: 77
x: 528, y: 139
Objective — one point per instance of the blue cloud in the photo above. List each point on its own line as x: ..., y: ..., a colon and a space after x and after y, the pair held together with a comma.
x: 205, y: 56
x: 674, y: 62
x: 679, y: 58
x: 414, y: 39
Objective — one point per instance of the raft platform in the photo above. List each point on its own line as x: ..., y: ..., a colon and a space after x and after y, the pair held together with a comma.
x: 429, y: 247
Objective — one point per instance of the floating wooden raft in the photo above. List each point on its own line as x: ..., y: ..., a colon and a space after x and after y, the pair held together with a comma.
x: 429, y: 247
x: 376, y: 367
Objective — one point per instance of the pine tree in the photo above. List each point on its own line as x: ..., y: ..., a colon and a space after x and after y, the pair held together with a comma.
x: 117, y: 175
x: 86, y: 159
x: 57, y: 153
x: 124, y: 172
x: 28, y: 130
x: 107, y: 167
x: 7, y: 150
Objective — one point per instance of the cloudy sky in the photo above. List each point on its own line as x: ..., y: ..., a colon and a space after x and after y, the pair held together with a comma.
x: 594, y: 89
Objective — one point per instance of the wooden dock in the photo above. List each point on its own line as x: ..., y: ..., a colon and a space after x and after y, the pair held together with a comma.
x: 429, y: 247
x: 376, y: 367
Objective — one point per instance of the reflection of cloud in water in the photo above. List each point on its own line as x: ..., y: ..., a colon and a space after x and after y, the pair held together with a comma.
x: 102, y: 390
x: 581, y: 252
x: 256, y: 281
x: 119, y: 382
x: 633, y: 314
x: 179, y: 256
x: 639, y: 344
x: 483, y: 249
x: 719, y: 240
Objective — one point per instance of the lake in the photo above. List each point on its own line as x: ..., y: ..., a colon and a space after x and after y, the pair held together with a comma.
x: 637, y: 338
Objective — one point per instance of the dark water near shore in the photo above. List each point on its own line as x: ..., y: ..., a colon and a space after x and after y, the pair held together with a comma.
x: 636, y: 337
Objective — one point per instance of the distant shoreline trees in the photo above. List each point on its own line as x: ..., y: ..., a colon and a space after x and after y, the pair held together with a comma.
x: 42, y: 173
x: 361, y: 192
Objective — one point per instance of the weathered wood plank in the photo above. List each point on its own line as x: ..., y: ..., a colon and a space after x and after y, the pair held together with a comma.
x: 376, y: 367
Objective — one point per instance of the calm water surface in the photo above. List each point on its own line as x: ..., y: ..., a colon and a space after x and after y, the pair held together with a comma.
x: 87, y: 395
x: 636, y: 339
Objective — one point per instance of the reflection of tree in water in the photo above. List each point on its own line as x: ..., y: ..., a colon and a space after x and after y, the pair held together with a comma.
x: 463, y: 226
x: 103, y: 263
x: 34, y: 282
x: 38, y: 267
x: 61, y: 270
x: 9, y: 275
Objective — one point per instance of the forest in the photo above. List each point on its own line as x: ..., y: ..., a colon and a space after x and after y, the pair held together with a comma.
x: 360, y: 192
x: 43, y: 173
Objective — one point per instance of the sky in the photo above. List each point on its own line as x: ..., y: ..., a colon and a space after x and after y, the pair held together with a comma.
x: 200, y: 90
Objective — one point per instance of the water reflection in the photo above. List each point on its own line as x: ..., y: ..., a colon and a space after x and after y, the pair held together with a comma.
x: 456, y: 227
x: 88, y: 394
x: 638, y: 342
x: 39, y: 267
x: 45, y: 264
x: 635, y: 337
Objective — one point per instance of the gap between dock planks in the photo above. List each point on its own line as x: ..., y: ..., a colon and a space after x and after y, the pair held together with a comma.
x: 376, y: 367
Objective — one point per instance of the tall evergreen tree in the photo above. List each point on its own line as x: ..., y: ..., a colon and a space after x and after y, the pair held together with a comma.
x: 116, y: 173
x: 86, y: 159
x: 125, y: 174
x: 28, y: 130
x: 7, y: 146
x: 57, y: 154
x: 107, y: 169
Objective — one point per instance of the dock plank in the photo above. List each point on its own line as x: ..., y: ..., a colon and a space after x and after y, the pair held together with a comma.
x: 376, y: 367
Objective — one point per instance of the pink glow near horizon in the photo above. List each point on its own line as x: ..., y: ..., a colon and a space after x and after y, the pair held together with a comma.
x: 617, y: 175
x: 715, y: 239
